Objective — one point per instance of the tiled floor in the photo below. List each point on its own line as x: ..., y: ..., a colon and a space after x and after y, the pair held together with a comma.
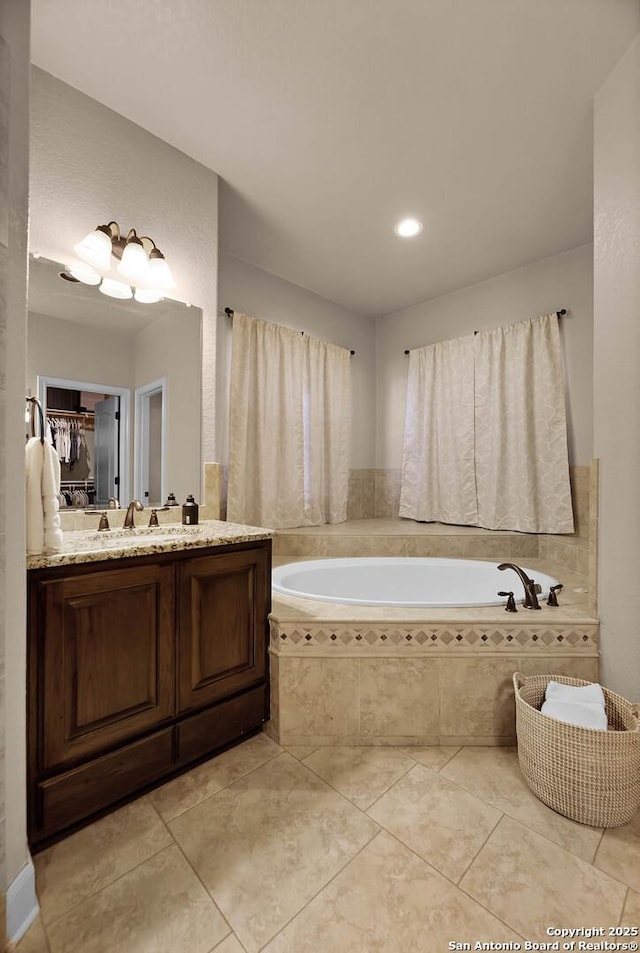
x: 333, y: 850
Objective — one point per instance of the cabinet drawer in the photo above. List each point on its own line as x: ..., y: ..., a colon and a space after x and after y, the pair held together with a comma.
x: 218, y: 726
x: 72, y: 796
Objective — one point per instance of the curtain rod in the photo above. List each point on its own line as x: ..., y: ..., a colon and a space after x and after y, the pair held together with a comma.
x: 558, y: 314
x: 230, y: 313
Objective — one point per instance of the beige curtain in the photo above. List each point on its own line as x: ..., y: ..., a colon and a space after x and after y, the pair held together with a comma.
x: 522, y: 468
x: 289, y: 427
x: 485, y: 434
x: 438, y: 466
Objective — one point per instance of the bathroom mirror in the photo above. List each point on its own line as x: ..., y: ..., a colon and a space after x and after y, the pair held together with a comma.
x: 123, y: 376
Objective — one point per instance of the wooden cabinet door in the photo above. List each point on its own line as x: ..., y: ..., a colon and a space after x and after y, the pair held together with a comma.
x: 106, y: 645
x: 222, y: 617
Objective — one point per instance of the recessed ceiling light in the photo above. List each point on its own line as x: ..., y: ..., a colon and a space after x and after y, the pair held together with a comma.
x: 408, y: 227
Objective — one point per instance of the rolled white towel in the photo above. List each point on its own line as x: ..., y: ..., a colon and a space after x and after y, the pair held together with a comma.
x: 584, y: 714
x: 589, y: 694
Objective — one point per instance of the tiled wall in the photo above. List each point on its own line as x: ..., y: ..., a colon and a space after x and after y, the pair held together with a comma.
x: 376, y: 493
x: 444, y: 700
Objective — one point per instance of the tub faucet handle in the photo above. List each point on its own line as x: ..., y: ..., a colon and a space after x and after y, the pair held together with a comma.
x: 553, y: 597
x: 511, y: 602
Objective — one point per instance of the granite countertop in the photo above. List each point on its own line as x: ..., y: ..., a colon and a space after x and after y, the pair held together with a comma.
x: 84, y: 546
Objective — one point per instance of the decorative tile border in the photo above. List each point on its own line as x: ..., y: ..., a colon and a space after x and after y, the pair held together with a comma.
x: 427, y: 638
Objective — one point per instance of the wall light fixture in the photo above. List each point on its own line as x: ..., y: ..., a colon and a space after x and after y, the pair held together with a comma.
x: 141, y: 271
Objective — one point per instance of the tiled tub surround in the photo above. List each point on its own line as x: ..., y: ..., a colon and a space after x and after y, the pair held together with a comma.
x: 369, y: 675
x: 375, y: 494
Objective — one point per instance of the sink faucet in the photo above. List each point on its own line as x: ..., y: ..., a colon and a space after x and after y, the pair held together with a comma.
x: 530, y: 587
x: 128, y: 520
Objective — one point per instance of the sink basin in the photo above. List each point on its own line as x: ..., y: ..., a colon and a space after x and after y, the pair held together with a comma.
x: 141, y: 532
x: 83, y: 541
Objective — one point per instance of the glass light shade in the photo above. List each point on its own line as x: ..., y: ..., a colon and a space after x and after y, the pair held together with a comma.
x: 408, y: 227
x: 115, y: 289
x: 95, y: 249
x: 159, y: 275
x: 134, y: 264
x: 85, y: 274
x: 146, y: 296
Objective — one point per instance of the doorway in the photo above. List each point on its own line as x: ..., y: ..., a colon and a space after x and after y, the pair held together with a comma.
x: 101, y: 466
x: 149, y: 478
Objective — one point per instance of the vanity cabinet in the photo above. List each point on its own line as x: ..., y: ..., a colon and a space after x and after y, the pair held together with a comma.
x: 138, y: 667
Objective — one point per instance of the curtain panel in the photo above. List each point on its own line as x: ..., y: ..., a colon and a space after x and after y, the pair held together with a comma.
x: 289, y: 427
x: 438, y: 462
x: 485, y: 435
x: 522, y: 460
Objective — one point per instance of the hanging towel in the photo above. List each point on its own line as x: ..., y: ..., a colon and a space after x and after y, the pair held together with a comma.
x: 42, y: 467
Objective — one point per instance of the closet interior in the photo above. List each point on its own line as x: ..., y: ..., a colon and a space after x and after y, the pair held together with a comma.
x: 71, y: 429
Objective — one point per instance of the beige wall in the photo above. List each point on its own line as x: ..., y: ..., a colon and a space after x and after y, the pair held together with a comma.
x: 90, y: 165
x: 246, y: 288
x: 161, y: 351
x: 564, y: 281
x: 14, y: 165
x: 616, y: 369
x: 57, y: 348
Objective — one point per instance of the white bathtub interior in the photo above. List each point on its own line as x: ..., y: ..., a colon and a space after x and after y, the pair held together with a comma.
x: 403, y: 581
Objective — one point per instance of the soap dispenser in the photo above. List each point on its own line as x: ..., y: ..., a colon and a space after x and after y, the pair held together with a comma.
x: 190, y: 511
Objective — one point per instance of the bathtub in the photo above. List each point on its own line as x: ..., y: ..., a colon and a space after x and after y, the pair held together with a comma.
x: 410, y: 582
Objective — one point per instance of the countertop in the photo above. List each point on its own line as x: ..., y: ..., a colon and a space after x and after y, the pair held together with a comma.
x: 91, y: 546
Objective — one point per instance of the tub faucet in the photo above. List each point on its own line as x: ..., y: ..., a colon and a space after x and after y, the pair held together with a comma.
x: 530, y: 587
x: 128, y: 520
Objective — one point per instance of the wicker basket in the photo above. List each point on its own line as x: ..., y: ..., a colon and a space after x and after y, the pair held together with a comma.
x: 588, y: 775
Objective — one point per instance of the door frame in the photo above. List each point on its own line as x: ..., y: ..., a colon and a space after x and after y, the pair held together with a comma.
x: 124, y: 393
x: 141, y: 435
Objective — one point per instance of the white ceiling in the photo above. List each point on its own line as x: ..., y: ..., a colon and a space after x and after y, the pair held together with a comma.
x: 330, y: 119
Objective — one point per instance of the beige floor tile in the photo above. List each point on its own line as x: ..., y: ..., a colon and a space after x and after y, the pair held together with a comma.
x: 439, y: 820
x: 231, y: 945
x: 387, y: 900
x: 361, y: 774
x: 494, y: 775
x: 267, y: 843
x: 300, y: 751
x: 34, y: 940
x: 201, y: 782
x: 631, y: 912
x: 160, y: 907
x: 87, y: 861
x: 433, y: 756
x: 531, y: 883
x: 619, y: 853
